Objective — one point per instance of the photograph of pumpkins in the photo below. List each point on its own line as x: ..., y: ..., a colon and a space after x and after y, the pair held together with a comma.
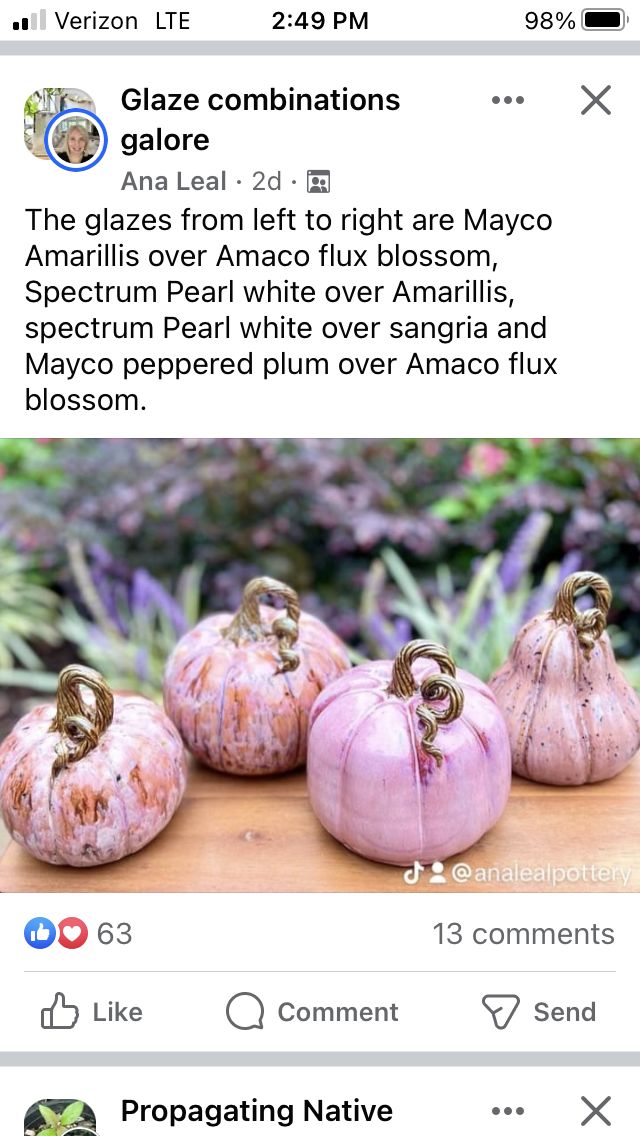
x: 311, y: 664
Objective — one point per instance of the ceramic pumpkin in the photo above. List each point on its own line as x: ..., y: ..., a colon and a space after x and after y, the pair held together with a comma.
x: 572, y: 716
x: 239, y: 688
x: 408, y: 760
x: 93, y: 778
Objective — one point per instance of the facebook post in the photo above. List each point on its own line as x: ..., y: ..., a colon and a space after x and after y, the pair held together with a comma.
x: 319, y: 568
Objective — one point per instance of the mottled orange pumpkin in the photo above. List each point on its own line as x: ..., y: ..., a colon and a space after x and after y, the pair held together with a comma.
x: 239, y: 688
x: 571, y: 714
x: 93, y: 778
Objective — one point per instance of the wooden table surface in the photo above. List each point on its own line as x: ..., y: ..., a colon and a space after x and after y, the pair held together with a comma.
x: 233, y: 834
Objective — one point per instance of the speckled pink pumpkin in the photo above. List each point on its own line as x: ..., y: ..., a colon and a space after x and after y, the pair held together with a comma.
x: 92, y: 779
x: 240, y: 688
x: 572, y: 717
x: 408, y: 760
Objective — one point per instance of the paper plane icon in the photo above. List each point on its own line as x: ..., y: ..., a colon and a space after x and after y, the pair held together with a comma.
x: 502, y: 1007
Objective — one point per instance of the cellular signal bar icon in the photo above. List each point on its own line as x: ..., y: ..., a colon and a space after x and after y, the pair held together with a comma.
x: 37, y: 21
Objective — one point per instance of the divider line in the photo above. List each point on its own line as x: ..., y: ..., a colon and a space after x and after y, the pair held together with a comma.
x: 324, y: 47
x: 249, y: 970
x: 311, y: 1059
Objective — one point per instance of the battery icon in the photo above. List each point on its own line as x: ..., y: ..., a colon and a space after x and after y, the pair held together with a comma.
x: 603, y: 19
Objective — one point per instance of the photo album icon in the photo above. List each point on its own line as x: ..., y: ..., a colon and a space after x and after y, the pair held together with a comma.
x: 40, y: 933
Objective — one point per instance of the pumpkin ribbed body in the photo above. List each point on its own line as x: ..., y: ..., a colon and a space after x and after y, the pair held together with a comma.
x: 572, y: 717
x: 373, y: 786
x: 236, y: 709
x: 100, y: 808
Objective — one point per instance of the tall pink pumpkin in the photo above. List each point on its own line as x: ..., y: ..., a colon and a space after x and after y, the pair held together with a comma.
x: 408, y: 760
x: 572, y: 717
x: 93, y: 778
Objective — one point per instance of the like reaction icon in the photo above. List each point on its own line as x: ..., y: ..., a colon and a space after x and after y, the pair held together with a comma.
x: 62, y: 1015
x: 73, y: 933
x: 40, y: 933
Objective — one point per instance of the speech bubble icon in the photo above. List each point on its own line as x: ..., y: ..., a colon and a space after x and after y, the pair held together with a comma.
x: 245, y: 1011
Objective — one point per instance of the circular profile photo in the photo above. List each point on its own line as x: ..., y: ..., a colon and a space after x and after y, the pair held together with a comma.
x: 75, y: 141
x: 43, y: 105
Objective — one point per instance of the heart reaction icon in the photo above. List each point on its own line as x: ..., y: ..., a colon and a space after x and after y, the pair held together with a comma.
x: 73, y: 933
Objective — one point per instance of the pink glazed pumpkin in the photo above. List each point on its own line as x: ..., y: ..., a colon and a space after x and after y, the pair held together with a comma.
x: 572, y: 717
x: 93, y: 778
x: 408, y: 760
x: 240, y: 688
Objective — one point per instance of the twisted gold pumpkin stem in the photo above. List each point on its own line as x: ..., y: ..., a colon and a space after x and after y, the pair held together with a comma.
x: 80, y: 724
x: 589, y: 624
x: 434, y: 688
x: 247, y: 624
x: 403, y: 684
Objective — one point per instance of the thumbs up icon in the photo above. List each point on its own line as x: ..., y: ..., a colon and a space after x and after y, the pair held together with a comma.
x: 62, y: 1015
x: 40, y: 933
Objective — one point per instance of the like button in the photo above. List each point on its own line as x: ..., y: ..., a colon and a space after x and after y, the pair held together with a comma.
x: 62, y: 1015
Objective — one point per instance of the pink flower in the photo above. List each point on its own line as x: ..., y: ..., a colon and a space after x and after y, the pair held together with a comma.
x: 483, y: 459
x: 431, y: 447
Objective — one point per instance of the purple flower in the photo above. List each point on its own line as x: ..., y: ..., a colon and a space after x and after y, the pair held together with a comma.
x: 142, y: 664
x: 542, y: 598
x: 387, y: 635
x: 148, y: 595
x: 519, y: 558
x: 109, y: 592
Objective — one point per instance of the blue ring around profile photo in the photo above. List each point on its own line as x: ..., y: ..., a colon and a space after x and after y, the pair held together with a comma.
x: 79, y: 112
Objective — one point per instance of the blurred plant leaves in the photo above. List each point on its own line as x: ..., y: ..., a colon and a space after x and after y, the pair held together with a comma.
x: 72, y: 1113
x: 28, y: 612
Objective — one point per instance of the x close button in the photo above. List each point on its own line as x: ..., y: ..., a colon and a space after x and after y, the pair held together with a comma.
x: 596, y: 100
x: 596, y: 1110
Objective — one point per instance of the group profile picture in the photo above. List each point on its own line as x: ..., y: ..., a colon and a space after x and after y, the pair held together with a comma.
x: 61, y: 125
x: 60, y: 1117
